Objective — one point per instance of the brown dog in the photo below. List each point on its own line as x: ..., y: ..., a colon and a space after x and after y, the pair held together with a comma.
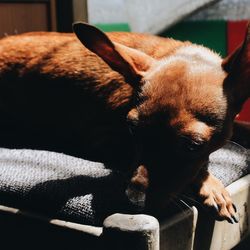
x: 152, y: 106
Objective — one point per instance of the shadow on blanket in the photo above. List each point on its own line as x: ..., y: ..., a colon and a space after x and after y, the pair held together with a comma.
x: 77, y: 190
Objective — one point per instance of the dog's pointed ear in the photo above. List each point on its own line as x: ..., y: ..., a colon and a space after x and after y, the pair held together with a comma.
x: 130, y: 63
x: 237, y: 65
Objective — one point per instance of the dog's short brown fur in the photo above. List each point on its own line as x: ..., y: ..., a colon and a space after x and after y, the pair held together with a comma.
x: 151, y: 106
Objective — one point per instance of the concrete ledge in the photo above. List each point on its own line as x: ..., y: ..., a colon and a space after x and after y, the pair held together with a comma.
x: 178, y: 233
x: 124, y: 231
x: 216, y: 235
x: 141, y: 232
x: 225, y: 235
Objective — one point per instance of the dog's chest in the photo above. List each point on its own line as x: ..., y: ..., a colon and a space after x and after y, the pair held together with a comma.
x: 62, y: 115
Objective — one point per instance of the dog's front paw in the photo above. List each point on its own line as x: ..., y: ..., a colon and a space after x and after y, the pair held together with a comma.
x: 217, y: 199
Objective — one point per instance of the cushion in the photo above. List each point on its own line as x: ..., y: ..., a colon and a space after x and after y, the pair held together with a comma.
x: 70, y: 188
x: 229, y: 163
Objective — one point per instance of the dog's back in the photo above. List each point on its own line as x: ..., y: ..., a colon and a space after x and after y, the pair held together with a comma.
x: 56, y: 94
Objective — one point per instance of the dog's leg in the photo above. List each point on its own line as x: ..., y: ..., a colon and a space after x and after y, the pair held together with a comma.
x: 241, y: 133
x: 215, y: 197
x: 136, y: 191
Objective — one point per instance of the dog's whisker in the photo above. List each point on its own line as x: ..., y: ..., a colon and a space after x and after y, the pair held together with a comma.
x: 177, y: 205
x: 172, y: 199
x: 180, y: 203
x: 190, y: 199
x: 185, y: 204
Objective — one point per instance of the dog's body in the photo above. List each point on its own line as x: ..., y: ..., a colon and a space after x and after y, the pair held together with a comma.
x: 76, y: 98
x: 161, y: 117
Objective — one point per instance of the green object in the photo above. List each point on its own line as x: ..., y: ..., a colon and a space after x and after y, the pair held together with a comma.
x: 211, y: 34
x: 106, y: 27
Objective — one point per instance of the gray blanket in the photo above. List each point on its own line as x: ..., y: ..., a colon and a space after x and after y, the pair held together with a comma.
x: 81, y: 191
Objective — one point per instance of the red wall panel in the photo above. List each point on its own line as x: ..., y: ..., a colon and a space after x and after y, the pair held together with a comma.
x: 235, y: 35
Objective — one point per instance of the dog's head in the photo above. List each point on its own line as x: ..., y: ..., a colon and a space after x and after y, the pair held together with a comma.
x: 184, y: 108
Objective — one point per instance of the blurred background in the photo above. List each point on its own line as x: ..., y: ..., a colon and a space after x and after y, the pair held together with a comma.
x: 217, y: 24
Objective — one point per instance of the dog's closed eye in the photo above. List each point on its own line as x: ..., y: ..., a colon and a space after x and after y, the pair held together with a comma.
x: 188, y: 145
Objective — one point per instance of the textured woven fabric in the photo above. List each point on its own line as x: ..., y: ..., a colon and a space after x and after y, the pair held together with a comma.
x: 74, y: 189
x: 59, y: 185
x: 229, y: 163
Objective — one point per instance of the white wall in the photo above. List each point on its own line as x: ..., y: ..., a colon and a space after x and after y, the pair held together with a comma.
x: 107, y: 11
x: 150, y: 16
x: 225, y: 9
